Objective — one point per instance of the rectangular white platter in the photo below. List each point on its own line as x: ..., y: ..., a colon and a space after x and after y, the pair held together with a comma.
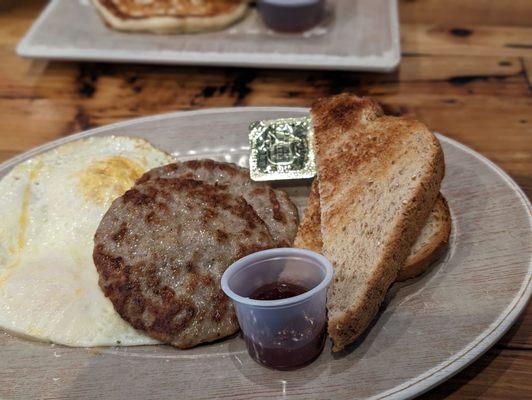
x: 357, y: 35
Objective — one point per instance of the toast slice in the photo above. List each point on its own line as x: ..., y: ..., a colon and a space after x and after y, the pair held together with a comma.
x: 426, y: 250
x: 379, y: 177
x: 308, y: 234
x: 431, y: 242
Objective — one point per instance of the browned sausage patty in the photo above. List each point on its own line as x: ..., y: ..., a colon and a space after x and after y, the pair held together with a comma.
x: 274, y: 207
x: 161, y: 250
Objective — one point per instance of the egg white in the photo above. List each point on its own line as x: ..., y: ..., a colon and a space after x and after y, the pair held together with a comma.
x: 50, y: 207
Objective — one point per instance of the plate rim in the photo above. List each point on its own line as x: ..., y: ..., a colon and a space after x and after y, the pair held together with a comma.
x: 387, y: 62
x: 436, y: 375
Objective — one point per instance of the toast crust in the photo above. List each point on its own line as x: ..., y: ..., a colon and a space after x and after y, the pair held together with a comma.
x: 309, y: 231
x: 419, y: 261
x: 379, y: 177
x: 429, y: 246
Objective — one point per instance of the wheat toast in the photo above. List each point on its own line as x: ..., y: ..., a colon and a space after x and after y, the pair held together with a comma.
x: 379, y: 177
x: 426, y: 250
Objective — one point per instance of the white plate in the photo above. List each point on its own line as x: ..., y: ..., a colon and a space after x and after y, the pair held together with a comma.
x: 432, y: 326
x: 359, y: 35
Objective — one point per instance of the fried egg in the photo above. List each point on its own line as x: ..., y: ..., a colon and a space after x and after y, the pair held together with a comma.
x: 50, y: 207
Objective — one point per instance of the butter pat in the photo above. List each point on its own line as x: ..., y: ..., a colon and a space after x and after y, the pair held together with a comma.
x: 282, y: 149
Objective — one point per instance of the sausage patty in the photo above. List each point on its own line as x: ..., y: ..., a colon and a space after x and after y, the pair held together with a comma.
x: 274, y: 207
x: 161, y: 250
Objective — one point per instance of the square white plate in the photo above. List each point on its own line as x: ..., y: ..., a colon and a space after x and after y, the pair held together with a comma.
x: 357, y: 35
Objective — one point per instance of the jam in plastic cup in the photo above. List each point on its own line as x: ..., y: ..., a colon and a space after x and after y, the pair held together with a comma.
x: 287, y: 333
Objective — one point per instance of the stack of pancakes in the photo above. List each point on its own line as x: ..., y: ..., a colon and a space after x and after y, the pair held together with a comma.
x: 168, y: 16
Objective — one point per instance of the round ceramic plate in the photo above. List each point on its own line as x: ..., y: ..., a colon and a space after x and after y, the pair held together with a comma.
x: 431, y: 328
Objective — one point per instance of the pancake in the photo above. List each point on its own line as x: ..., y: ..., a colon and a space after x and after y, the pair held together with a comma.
x: 274, y: 207
x: 50, y: 207
x: 161, y: 250
x: 170, y: 16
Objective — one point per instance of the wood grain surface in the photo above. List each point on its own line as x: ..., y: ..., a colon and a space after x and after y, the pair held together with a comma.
x: 466, y: 72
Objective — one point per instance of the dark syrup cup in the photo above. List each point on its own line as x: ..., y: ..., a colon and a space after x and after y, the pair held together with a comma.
x: 291, y: 15
x: 287, y: 333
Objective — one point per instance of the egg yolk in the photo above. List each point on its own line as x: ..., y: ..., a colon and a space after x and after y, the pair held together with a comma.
x: 104, y: 180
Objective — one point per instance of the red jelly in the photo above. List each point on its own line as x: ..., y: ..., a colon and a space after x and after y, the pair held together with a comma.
x: 287, y: 359
x: 277, y: 291
x: 286, y: 354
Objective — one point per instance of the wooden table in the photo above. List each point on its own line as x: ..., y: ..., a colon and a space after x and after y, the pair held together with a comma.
x: 466, y: 72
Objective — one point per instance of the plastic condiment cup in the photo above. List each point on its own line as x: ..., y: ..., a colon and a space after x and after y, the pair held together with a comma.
x: 291, y: 15
x: 286, y: 333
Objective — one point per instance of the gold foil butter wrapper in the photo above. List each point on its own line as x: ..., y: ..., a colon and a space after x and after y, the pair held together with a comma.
x: 282, y: 149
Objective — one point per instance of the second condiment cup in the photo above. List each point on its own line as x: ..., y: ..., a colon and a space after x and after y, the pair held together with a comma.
x: 291, y: 15
x: 290, y: 332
